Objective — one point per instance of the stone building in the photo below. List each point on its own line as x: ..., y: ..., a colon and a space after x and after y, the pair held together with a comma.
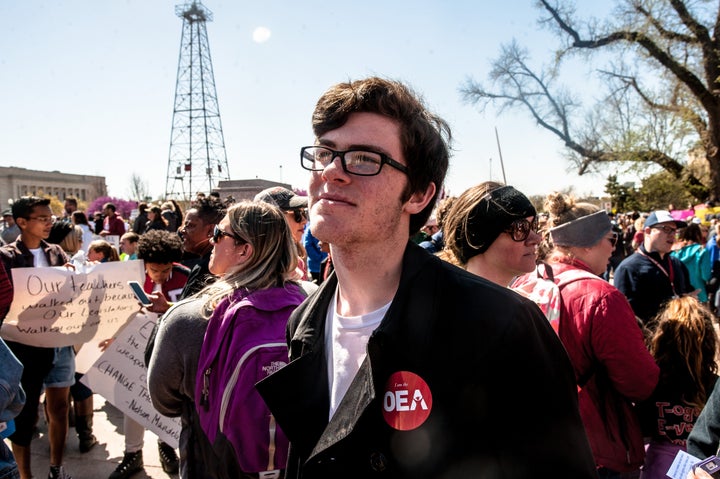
x: 245, y: 189
x: 16, y: 182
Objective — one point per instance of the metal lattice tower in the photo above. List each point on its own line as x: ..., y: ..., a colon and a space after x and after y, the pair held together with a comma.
x: 197, y: 158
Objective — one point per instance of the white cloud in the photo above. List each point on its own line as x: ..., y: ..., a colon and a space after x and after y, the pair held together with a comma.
x: 261, y: 34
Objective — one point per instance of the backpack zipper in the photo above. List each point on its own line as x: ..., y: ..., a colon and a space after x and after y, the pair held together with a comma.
x: 233, y: 379
x: 206, y: 389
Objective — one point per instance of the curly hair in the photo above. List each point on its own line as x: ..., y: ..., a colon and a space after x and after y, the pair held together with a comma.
x: 563, y: 209
x: 159, y: 246
x: 425, y: 137
x: 684, y: 346
x: 443, y: 208
x: 210, y: 209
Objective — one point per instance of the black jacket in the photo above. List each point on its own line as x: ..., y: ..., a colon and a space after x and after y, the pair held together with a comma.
x: 503, y: 396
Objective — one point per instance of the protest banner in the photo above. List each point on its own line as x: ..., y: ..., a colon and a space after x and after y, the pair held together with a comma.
x: 120, y: 376
x: 55, y: 307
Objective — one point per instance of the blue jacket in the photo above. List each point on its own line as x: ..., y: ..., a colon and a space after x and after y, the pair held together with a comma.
x: 314, y: 255
x: 697, y: 260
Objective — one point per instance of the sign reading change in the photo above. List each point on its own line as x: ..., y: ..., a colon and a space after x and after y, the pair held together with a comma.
x: 120, y: 376
x: 55, y: 307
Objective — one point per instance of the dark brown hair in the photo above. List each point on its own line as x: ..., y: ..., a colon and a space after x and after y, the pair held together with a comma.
x: 425, y: 137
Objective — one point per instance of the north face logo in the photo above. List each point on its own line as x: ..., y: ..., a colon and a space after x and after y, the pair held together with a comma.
x: 407, y: 401
x: 273, y: 367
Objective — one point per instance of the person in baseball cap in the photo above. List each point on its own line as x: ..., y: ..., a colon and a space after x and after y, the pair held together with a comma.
x: 651, y: 276
x: 662, y: 216
x: 294, y: 206
x: 295, y: 209
x: 283, y: 198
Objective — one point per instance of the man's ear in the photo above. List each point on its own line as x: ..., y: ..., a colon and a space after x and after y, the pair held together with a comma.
x: 419, y: 200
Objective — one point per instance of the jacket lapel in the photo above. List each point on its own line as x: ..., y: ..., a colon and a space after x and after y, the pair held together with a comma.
x: 363, y: 389
x: 357, y: 399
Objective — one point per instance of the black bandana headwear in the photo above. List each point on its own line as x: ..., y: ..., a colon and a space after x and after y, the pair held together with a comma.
x: 493, y: 214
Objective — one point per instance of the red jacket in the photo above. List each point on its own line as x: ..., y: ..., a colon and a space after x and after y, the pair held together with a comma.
x: 612, y: 366
x: 114, y: 225
x: 171, y: 288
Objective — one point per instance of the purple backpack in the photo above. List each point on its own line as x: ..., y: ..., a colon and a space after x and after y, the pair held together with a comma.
x: 244, y: 343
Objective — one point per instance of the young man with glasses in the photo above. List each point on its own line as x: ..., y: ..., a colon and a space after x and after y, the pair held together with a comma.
x: 651, y: 276
x: 35, y: 219
x: 402, y: 364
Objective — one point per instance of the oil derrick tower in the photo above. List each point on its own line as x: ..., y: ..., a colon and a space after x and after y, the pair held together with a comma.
x: 197, y: 159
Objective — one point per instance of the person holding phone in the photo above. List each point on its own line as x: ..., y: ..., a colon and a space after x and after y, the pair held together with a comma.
x: 684, y: 346
x: 254, y: 257
x: 161, y: 251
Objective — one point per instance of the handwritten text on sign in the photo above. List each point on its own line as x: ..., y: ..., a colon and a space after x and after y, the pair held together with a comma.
x: 120, y: 376
x: 59, y: 307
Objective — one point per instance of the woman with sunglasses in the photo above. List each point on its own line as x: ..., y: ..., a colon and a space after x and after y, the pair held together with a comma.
x: 254, y: 258
x: 612, y: 365
x: 491, y: 231
x: 295, y: 209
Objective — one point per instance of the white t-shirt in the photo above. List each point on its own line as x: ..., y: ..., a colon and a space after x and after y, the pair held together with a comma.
x: 40, y: 259
x: 346, y: 340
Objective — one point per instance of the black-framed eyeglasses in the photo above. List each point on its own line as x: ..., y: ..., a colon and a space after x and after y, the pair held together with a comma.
x: 668, y: 230
x: 354, y: 162
x: 218, y: 233
x: 299, y: 215
x: 520, y: 229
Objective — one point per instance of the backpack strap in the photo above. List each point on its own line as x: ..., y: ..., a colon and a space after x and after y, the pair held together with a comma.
x: 563, y: 279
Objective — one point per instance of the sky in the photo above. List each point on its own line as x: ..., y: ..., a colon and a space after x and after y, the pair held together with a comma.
x: 88, y: 86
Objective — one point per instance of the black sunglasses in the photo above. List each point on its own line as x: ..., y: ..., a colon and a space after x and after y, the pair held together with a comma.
x: 299, y: 215
x: 218, y: 233
x: 519, y: 230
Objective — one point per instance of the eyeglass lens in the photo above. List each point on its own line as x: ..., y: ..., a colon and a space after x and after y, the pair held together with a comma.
x: 520, y: 229
x: 300, y: 215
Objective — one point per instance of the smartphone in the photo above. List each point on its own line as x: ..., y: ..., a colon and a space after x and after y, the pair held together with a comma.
x: 711, y: 465
x: 139, y: 293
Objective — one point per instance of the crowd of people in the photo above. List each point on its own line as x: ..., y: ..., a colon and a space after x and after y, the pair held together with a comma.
x: 477, y: 336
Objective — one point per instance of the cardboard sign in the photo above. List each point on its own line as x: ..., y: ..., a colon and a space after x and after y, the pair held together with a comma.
x: 55, y: 307
x: 120, y: 376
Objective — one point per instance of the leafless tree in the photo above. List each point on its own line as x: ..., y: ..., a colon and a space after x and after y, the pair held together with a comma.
x: 661, y: 80
x: 139, y: 189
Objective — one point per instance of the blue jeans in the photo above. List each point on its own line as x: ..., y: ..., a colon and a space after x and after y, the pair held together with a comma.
x: 8, y: 466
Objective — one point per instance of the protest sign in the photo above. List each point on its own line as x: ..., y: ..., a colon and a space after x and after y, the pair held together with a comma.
x: 55, y: 307
x: 120, y: 376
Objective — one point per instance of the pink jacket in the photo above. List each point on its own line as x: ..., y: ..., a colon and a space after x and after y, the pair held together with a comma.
x: 612, y: 366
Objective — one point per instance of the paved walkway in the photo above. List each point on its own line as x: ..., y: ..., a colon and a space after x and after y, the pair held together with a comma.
x: 105, y: 456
